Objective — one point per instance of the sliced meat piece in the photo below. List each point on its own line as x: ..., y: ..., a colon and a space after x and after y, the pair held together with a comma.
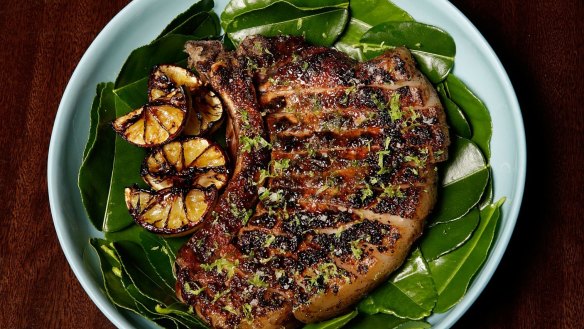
x: 304, y: 232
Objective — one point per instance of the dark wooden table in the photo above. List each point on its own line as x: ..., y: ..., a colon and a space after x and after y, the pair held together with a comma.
x: 539, y: 283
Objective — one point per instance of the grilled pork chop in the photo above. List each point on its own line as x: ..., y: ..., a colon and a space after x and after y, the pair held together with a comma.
x: 314, y: 220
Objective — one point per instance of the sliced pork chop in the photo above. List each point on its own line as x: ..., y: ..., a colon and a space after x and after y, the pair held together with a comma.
x: 342, y: 197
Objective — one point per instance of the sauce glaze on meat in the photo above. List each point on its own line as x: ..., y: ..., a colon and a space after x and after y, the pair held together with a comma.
x: 323, y: 214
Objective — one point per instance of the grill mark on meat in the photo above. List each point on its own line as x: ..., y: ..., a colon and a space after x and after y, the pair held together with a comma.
x: 350, y: 181
x: 339, y: 99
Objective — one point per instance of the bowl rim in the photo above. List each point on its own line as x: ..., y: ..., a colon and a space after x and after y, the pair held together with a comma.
x: 96, y: 294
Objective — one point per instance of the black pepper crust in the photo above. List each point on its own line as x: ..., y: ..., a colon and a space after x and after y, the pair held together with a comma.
x: 303, y: 232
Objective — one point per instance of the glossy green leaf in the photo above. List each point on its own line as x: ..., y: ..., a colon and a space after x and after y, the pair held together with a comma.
x: 320, y: 27
x: 155, y: 249
x: 97, y: 164
x: 168, y: 49
x: 385, y: 321
x: 174, y: 244
x: 111, y: 268
x: 94, y: 118
x: 375, y: 12
x: 179, y: 309
x: 143, y: 274
x: 134, y: 94
x: 453, y: 272
x: 118, y: 287
x: 349, y: 40
x: 334, y: 323
x: 443, y: 238
x: 456, y: 119
x: 409, y: 293
x: 147, y: 308
x: 464, y: 179
x: 130, y: 233
x: 126, y: 172
x: 458, y: 198
x: 364, y: 15
x: 433, y: 48
x: 237, y: 8
x: 464, y: 159
x: 489, y: 193
x: 185, y: 23
x: 159, y: 255
x: 475, y: 111
x: 146, y: 304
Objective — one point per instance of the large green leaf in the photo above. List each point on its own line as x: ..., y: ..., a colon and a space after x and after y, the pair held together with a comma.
x: 185, y: 23
x: 454, y: 114
x: 143, y: 274
x: 150, y: 291
x: 118, y: 286
x: 168, y: 49
x: 237, y: 8
x: 94, y: 118
x: 385, y: 321
x: 464, y: 179
x: 474, y: 109
x: 157, y: 250
x: 453, y: 272
x: 134, y: 94
x: 111, y: 271
x: 364, y: 15
x: 334, y: 323
x: 443, y: 238
x: 409, y: 293
x: 159, y: 255
x: 320, y: 26
x: 126, y: 172
x: 489, y: 193
x: 433, y: 48
x: 96, y: 169
x: 145, y: 305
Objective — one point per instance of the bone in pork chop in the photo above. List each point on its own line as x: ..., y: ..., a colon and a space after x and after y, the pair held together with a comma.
x: 309, y: 225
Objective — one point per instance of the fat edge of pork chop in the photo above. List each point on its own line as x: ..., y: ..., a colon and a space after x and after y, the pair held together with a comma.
x: 377, y: 129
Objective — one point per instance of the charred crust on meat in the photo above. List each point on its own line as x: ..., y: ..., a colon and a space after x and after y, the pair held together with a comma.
x: 355, y: 145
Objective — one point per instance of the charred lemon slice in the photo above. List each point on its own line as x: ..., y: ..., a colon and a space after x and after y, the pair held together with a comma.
x: 171, y: 212
x: 206, y: 113
x: 191, y: 162
x: 166, y: 78
x: 155, y: 123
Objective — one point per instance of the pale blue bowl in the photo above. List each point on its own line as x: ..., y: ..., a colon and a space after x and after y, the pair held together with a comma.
x: 142, y: 20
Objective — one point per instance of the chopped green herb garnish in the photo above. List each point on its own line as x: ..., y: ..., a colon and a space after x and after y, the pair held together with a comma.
x: 242, y: 214
x: 269, y: 240
x: 366, y: 192
x: 256, y: 143
x: 192, y: 291
x: 230, y: 309
x: 222, y: 265
x: 378, y: 103
x: 419, y: 163
x: 355, y: 249
x: 394, y: 107
x: 221, y: 294
x: 281, y: 165
x: 391, y: 191
x: 257, y: 281
x: 247, y: 308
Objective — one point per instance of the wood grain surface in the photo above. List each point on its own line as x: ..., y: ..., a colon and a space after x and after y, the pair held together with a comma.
x: 539, y: 283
